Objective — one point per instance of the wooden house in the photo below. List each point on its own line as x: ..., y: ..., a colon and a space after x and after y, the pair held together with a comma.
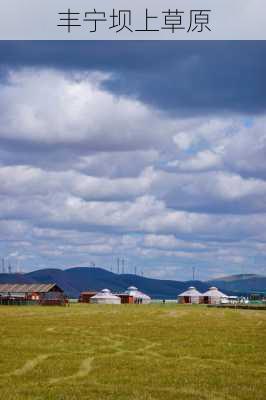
x: 41, y: 293
x: 85, y: 297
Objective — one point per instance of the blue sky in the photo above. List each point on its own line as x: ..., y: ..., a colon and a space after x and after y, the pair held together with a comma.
x: 150, y: 151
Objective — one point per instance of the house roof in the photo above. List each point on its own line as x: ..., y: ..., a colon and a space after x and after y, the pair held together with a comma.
x: 214, y: 292
x: 28, y: 288
x: 105, y: 294
x: 133, y: 291
x: 190, y: 292
x: 88, y: 292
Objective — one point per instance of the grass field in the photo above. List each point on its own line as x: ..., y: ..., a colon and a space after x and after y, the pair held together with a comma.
x: 132, y: 352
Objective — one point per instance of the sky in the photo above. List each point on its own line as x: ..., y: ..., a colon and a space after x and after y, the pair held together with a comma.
x: 154, y: 152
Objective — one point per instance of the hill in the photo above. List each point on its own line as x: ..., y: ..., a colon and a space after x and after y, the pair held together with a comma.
x: 241, y: 283
x: 236, y: 277
x: 74, y: 280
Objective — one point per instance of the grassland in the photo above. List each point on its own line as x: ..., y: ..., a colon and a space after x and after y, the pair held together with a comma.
x: 132, y: 353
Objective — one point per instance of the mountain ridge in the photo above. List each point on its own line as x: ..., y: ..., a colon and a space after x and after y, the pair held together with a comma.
x: 77, y: 279
x: 228, y: 278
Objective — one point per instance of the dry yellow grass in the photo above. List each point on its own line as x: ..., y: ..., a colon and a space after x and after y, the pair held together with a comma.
x: 132, y: 352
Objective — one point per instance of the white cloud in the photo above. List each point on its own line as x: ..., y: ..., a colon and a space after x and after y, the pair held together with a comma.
x: 85, y: 172
x: 203, y: 160
x: 51, y: 107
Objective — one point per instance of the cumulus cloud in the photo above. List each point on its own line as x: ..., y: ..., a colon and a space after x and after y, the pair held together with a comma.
x: 22, y: 180
x: 48, y: 107
x: 229, y: 143
x: 210, y: 191
x: 89, y: 173
x: 203, y: 160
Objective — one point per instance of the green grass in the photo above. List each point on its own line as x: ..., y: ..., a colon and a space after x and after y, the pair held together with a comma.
x: 132, y: 352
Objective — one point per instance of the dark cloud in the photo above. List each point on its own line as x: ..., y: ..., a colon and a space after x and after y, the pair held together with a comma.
x: 180, y: 77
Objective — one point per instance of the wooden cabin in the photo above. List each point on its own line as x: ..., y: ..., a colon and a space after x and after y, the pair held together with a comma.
x: 40, y: 293
x: 85, y: 297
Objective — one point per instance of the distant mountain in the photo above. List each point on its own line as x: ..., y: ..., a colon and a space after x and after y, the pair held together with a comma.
x: 14, y: 278
x: 245, y: 283
x: 75, y: 280
x: 236, y: 277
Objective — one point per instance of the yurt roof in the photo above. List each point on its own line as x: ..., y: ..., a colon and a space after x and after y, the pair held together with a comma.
x: 104, y: 294
x: 190, y: 292
x: 133, y: 291
x: 214, y: 292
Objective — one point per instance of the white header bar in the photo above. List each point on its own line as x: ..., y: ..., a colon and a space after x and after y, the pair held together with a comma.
x: 133, y: 20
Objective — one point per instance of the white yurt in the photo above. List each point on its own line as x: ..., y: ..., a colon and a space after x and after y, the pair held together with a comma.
x: 214, y: 296
x: 139, y: 297
x: 190, y: 296
x: 105, y: 297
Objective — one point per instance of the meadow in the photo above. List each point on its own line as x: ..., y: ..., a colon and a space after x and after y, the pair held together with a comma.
x: 132, y: 352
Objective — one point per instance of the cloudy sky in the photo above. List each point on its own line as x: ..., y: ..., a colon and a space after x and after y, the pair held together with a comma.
x: 150, y: 151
